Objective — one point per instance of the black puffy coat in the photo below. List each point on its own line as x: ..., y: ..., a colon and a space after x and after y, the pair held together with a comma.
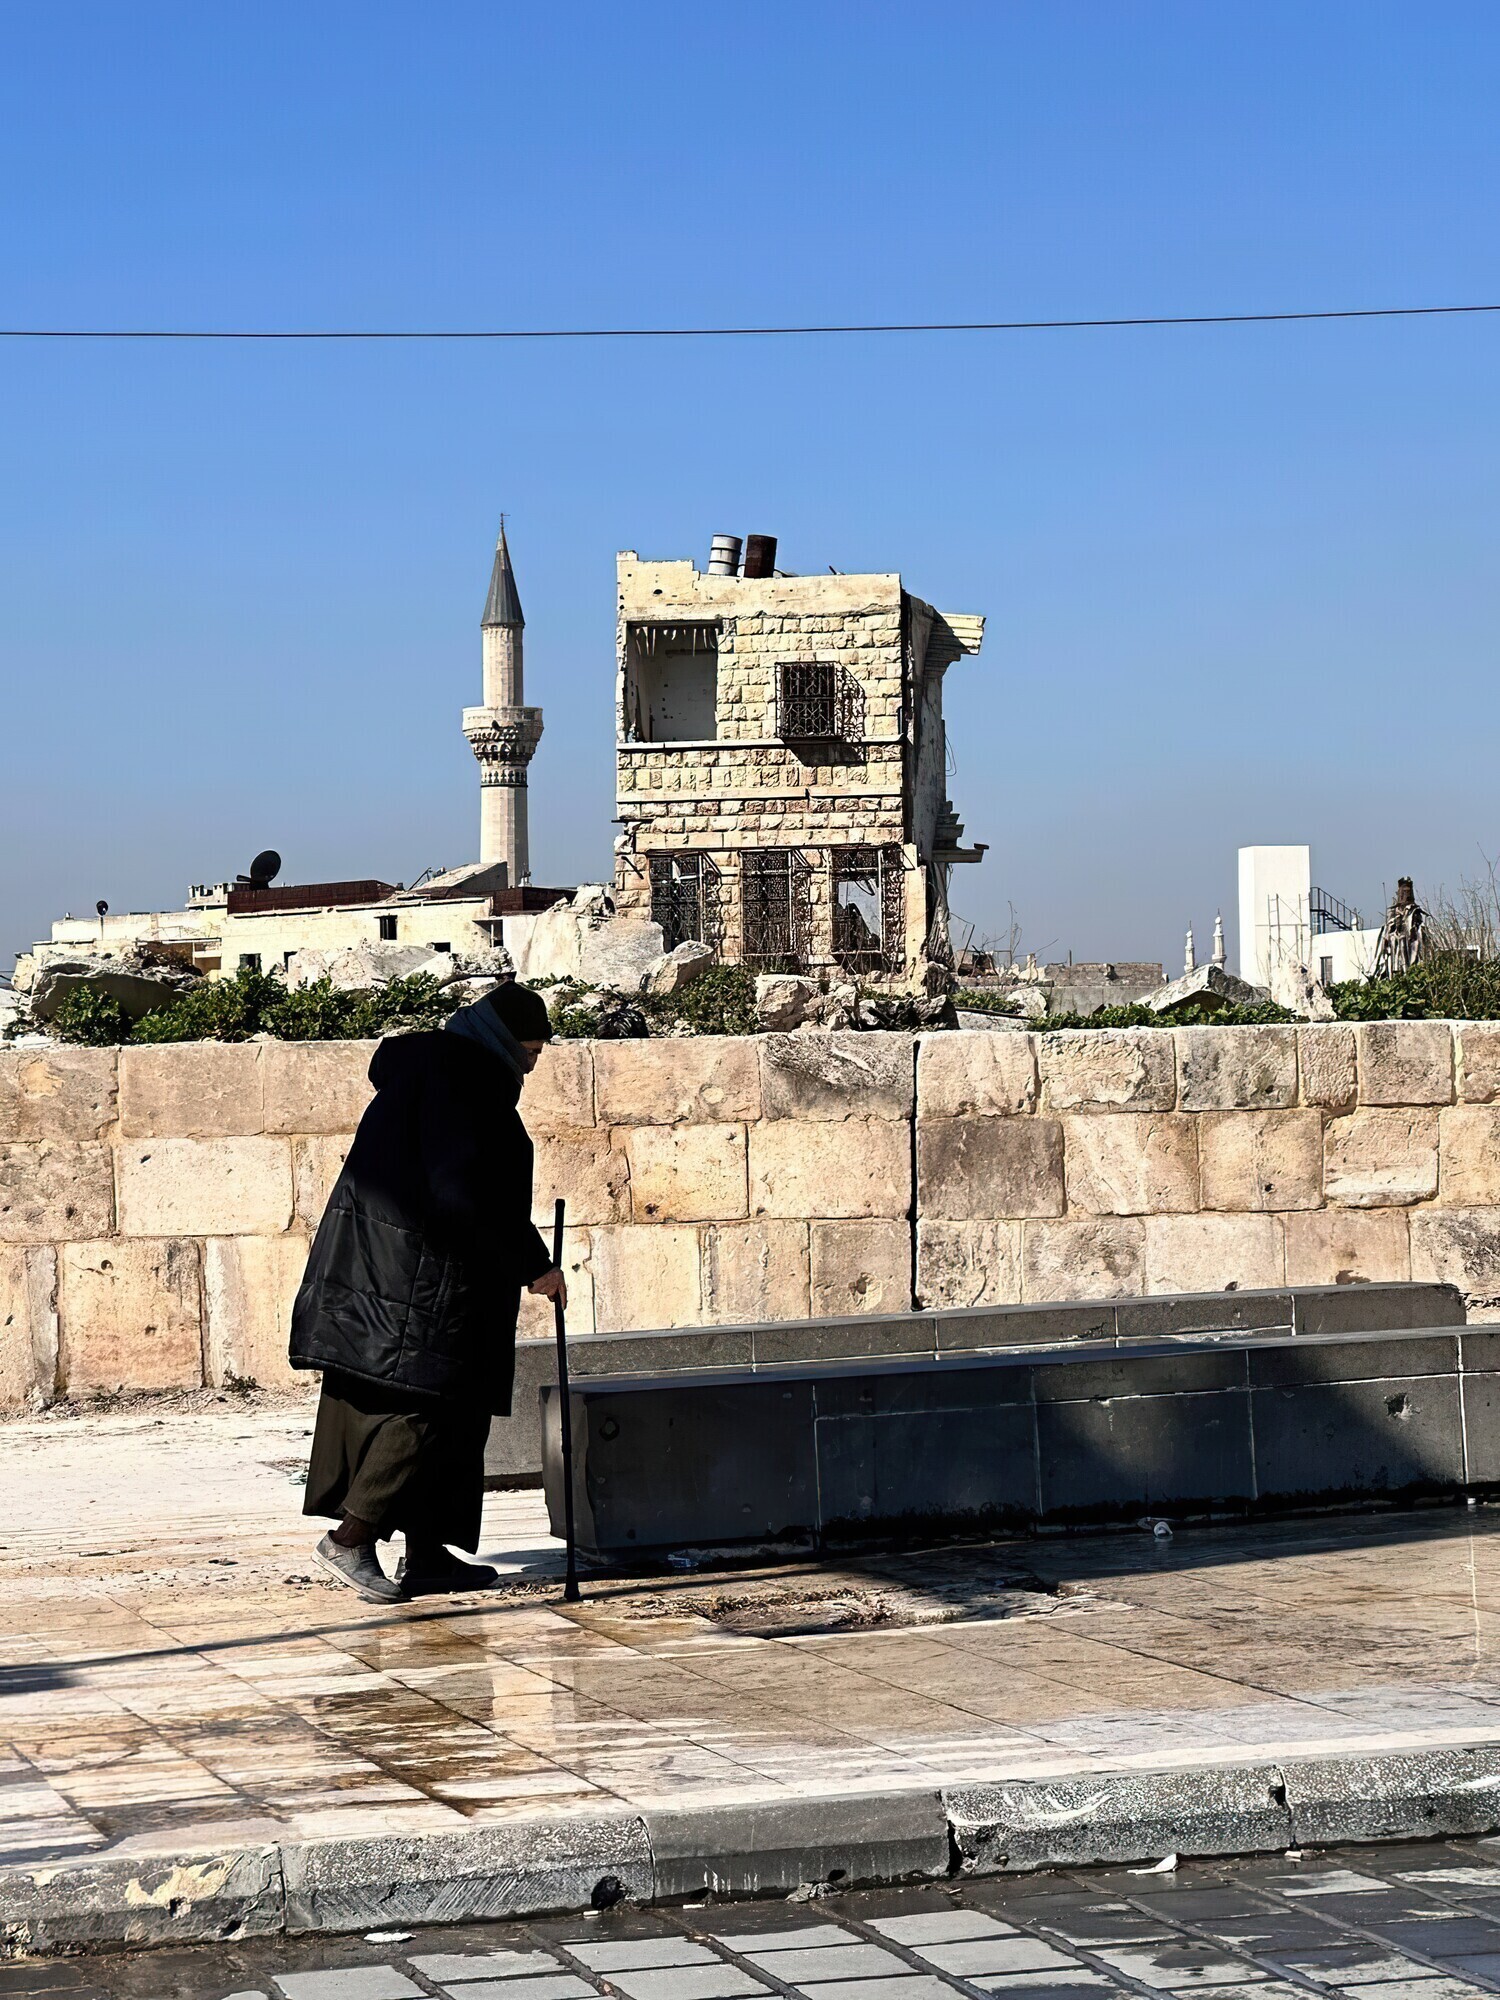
x: 418, y: 1265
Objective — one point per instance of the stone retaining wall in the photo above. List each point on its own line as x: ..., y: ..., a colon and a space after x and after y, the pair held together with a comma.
x: 155, y: 1203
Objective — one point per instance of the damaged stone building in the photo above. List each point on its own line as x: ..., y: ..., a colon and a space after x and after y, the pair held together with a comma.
x: 782, y: 763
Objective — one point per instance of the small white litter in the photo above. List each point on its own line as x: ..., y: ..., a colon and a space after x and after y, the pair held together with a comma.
x: 388, y: 1937
x: 1167, y: 1867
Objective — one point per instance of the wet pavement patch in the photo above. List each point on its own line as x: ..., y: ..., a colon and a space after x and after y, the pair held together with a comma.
x: 875, y: 1593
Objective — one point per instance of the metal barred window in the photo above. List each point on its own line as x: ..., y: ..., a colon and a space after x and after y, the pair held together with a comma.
x: 818, y: 702
x: 869, y: 909
x: 775, y: 909
x: 685, y: 899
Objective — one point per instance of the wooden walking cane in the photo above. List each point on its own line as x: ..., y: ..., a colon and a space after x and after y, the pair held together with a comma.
x: 571, y: 1592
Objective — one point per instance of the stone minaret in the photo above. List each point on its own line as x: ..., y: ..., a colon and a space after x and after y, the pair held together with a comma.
x: 503, y: 734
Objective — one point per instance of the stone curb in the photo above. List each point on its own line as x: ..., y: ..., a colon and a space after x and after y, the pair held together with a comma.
x: 531, y: 1866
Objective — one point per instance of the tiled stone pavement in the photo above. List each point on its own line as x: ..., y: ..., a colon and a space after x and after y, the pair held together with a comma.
x: 1372, y: 1923
x: 171, y: 1673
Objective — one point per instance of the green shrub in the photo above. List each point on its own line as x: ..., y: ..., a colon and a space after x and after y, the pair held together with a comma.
x: 1450, y: 985
x: 91, y: 1018
x: 257, y: 1003
x: 720, y: 1001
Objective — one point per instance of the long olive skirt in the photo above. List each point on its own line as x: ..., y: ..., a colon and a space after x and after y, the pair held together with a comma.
x: 404, y: 1464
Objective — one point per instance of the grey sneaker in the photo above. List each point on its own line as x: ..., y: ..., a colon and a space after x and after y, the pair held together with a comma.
x: 360, y: 1569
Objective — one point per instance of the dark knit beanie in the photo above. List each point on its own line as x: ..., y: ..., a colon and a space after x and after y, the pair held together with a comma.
x: 522, y: 1010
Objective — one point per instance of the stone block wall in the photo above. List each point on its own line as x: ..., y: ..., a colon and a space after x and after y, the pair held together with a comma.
x: 156, y: 1203
x: 1093, y: 1163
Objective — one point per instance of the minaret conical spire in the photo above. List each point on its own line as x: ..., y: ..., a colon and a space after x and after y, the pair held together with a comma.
x: 503, y: 605
x: 503, y: 733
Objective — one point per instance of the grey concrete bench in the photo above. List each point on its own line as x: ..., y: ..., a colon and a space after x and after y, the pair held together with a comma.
x: 514, y: 1457
x: 804, y: 1453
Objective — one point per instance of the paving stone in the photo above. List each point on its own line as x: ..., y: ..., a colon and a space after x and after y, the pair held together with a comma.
x: 940, y: 1927
x: 1177, y: 1964
x: 995, y: 1955
x: 1349, y: 1965
x: 1079, y: 1984
x: 558, y: 1986
x: 1424, y: 1989
x: 843, y: 1962
x: 355, y: 1982
x: 689, y: 1982
x: 805, y: 1937
x: 442, y: 1965
x: 902, y: 1986
x: 634, y: 1954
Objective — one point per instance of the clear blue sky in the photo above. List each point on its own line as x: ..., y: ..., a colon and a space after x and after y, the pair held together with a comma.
x: 1242, y: 584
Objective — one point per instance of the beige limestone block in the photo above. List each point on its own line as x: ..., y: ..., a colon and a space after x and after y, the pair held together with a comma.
x: 55, y: 1190
x: 192, y: 1090
x: 976, y: 1073
x: 820, y: 1075
x: 968, y: 1263
x: 560, y: 1091
x: 1261, y: 1159
x: 1214, y: 1253
x: 832, y: 1168
x: 58, y: 1093
x: 205, y: 1187
x: 1084, y: 1257
x: 1128, y: 1163
x: 316, y: 1164
x: 249, y: 1283
x: 1325, y: 1062
x: 680, y: 1079
x: 989, y: 1169
x: 1469, y: 1155
x: 1478, y: 1051
x: 313, y: 1087
x: 1236, y: 1069
x: 28, y: 1324
x: 1405, y: 1062
x: 686, y: 1173
x: 861, y: 1267
x: 1348, y: 1246
x: 537, y: 1320
x: 1108, y: 1069
x: 1459, y: 1246
x: 755, y: 1271
x: 1381, y: 1159
x: 130, y: 1316
x: 588, y: 1169
x: 647, y: 1275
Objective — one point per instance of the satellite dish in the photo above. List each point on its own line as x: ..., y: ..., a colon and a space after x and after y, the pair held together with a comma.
x: 102, y: 907
x: 265, y: 868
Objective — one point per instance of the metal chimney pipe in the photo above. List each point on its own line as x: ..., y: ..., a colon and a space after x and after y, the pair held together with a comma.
x: 724, y: 556
x: 760, y: 555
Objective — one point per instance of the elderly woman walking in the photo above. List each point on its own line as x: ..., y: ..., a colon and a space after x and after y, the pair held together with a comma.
x: 411, y: 1296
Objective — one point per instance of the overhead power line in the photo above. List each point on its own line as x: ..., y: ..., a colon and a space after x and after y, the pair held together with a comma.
x: 722, y: 332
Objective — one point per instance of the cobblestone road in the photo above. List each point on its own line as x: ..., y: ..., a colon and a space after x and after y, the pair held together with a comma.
x: 1387, y: 1923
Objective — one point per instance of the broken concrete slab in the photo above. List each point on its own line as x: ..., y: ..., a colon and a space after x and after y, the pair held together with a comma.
x: 774, y: 1846
x: 1395, y: 1796
x: 526, y: 1867
x: 783, y: 1001
x: 681, y: 966
x: 138, y: 988
x: 1206, y: 986
x: 198, y: 1895
x: 1118, y: 1816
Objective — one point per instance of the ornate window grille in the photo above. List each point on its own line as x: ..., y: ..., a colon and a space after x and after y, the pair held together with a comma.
x: 818, y: 702
x: 685, y: 899
x: 775, y: 909
x: 869, y: 909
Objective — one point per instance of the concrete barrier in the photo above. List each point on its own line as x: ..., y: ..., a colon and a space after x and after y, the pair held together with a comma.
x: 812, y: 1452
